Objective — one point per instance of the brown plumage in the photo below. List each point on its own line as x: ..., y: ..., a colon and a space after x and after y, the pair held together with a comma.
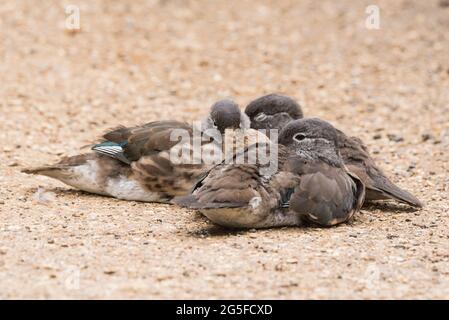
x: 135, y: 163
x: 89, y: 172
x: 147, y: 139
x: 378, y: 186
x: 311, y: 184
x: 275, y: 111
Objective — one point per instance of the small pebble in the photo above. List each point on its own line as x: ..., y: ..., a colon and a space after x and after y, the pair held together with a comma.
x: 394, y: 137
x: 427, y: 136
x: 109, y: 272
x: 43, y: 197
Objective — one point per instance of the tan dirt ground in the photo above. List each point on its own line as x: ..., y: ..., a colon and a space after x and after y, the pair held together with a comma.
x: 137, y: 61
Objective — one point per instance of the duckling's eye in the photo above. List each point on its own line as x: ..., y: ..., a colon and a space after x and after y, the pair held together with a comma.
x: 260, y: 117
x: 299, y: 136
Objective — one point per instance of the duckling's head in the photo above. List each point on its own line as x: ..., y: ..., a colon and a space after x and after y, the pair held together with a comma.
x: 273, y: 111
x: 313, y: 139
x: 225, y: 114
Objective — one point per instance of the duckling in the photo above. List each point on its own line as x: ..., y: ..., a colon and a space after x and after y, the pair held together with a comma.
x: 136, y: 163
x: 274, y: 111
x: 311, y: 184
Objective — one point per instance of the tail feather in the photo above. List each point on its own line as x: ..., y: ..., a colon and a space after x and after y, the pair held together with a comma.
x: 185, y: 201
x: 191, y: 202
x: 388, y: 190
x: 55, y: 171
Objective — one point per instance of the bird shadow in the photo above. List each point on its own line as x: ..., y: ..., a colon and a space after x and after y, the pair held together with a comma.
x: 388, y: 206
x: 219, y: 231
x: 210, y: 229
x: 60, y: 191
x: 216, y: 231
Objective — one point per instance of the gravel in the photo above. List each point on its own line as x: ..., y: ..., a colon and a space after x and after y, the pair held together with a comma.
x: 134, y: 62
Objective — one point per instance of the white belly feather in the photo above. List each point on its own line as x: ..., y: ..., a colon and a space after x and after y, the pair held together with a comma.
x: 85, y: 177
x: 124, y: 188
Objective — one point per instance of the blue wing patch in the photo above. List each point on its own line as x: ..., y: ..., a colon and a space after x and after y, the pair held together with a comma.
x: 113, y: 150
x: 285, y: 197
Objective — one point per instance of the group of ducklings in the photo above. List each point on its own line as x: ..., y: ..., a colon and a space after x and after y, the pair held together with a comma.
x: 322, y: 176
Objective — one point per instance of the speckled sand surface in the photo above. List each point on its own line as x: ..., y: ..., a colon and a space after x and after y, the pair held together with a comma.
x: 137, y: 61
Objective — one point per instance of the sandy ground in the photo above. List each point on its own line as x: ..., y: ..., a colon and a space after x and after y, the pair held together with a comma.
x: 133, y: 62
